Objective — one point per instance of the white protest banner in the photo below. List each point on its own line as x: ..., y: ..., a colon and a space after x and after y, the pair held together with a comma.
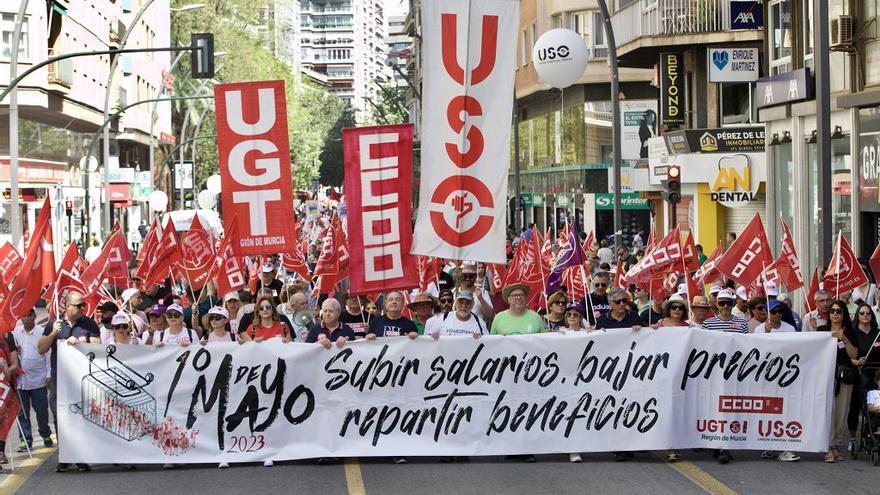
x: 599, y: 391
x: 468, y: 73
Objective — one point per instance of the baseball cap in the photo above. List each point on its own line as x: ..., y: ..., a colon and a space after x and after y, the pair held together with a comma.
x: 771, y: 289
x: 727, y: 294
x: 232, y: 296
x: 108, y: 306
x: 741, y: 293
x: 773, y: 304
x: 268, y: 267
x: 157, y: 309
x: 120, y: 318
x: 127, y: 294
x: 700, y: 302
x: 217, y: 310
x: 175, y: 307
x: 468, y: 267
x: 715, y: 289
x: 465, y: 294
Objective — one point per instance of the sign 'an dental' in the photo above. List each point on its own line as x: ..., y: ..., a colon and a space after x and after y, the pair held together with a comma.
x: 734, y: 185
x: 254, y: 157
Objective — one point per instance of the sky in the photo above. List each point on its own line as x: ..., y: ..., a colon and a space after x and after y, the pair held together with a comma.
x: 396, y: 7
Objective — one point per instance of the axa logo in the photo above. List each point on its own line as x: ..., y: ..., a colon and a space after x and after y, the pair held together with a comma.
x: 560, y: 52
x: 745, y: 17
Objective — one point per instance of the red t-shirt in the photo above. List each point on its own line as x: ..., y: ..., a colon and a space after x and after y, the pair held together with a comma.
x: 277, y: 329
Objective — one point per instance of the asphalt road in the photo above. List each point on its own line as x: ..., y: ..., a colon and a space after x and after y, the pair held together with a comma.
x: 646, y: 474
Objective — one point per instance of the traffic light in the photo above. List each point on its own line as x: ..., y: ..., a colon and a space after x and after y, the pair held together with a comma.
x: 672, y: 185
x: 202, y: 55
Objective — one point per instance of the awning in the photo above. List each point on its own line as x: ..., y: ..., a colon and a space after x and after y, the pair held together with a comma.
x: 120, y: 194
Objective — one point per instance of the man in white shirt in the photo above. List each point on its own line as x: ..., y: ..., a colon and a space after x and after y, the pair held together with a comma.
x: 774, y: 323
x: 32, y: 384
x: 482, y: 300
x: 461, y: 322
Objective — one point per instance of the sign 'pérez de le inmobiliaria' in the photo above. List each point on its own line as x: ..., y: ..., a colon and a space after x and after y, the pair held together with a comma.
x: 468, y: 79
x: 253, y: 151
x: 602, y: 391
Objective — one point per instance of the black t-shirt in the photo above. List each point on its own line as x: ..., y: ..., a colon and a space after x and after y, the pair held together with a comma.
x: 607, y: 321
x: 842, y: 357
x: 276, y: 286
x: 342, y: 330
x: 650, y: 317
x: 864, y: 341
x: 358, y: 323
x: 553, y: 326
x: 598, y: 307
x: 382, y: 326
x: 84, y: 329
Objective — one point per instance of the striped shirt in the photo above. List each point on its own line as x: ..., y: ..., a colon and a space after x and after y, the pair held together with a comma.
x: 734, y: 324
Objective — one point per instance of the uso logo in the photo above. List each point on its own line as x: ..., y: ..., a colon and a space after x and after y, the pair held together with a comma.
x: 560, y: 52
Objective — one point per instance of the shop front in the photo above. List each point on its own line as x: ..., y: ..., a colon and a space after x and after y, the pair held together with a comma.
x: 869, y: 171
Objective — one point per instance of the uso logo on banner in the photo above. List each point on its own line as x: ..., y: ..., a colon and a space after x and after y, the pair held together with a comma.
x: 254, y: 155
x: 378, y: 195
x: 469, y: 69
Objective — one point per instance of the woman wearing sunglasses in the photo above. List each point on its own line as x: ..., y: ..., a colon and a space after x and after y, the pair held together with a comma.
x: 267, y: 323
x: 123, y: 333
x: 555, y: 317
x: 176, y: 333
x: 675, y: 312
x: 219, y: 327
x: 841, y: 329
x: 574, y: 318
x: 868, y: 347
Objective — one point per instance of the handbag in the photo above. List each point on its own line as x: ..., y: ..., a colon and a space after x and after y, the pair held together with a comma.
x: 846, y: 374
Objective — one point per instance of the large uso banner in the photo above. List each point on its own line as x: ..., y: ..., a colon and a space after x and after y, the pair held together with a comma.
x: 599, y: 391
x: 253, y: 150
x: 469, y: 73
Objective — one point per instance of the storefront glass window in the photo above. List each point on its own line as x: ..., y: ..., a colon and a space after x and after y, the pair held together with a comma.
x: 780, y: 41
x: 841, y: 187
x: 813, y: 204
x: 784, y: 168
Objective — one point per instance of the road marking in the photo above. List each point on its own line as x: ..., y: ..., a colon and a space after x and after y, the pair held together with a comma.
x: 353, y: 478
x: 701, y: 478
x: 24, y: 471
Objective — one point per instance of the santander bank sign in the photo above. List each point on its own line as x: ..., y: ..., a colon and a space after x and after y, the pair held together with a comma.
x: 469, y: 66
x: 253, y: 149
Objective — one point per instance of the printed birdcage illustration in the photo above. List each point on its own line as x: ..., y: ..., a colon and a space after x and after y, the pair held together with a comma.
x: 112, y: 400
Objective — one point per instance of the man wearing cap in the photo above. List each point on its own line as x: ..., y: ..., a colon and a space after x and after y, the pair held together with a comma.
x: 774, y: 323
x: 518, y: 319
x: 699, y: 311
x: 713, y: 297
x: 742, y: 303
x: 73, y: 327
x: 446, y: 300
x: 462, y: 321
x: 482, y: 300
x: 131, y: 302
x: 268, y: 281
x: 422, y: 307
x: 724, y: 321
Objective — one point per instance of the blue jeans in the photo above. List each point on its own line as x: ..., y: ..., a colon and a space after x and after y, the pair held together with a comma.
x: 37, y: 398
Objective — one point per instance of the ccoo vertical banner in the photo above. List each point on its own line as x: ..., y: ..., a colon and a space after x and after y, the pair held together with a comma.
x: 672, y: 90
x: 378, y: 196
x: 469, y: 73
x: 254, y: 154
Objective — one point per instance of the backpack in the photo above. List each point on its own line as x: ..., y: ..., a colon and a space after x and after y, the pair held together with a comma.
x: 479, y: 325
x: 189, y: 334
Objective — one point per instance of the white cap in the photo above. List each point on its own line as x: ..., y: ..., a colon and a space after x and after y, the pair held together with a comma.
x: 741, y: 293
x: 771, y: 289
x: 120, y: 318
x: 127, y: 293
x: 682, y: 289
x: 217, y: 310
x: 232, y: 296
x: 268, y: 267
x: 727, y: 294
x: 174, y: 307
x: 715, y: 289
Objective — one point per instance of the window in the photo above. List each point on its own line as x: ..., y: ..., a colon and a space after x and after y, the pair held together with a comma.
x: 808, y: 33
x: 7, y: 28
x: 523, y: 59
x: 736, y: 102
x: 841, y: 186
x: 534, y: 36
x: 871, y: 16
x: 784, y: 185
x: 780, y: 37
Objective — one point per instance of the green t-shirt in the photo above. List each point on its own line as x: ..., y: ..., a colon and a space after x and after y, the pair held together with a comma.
x: 505, y: 323
x: 419, y: 327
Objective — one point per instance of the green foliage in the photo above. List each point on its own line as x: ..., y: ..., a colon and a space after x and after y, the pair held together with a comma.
x: 391, y: 105
x: 331, y: 154
x: 241, y: 31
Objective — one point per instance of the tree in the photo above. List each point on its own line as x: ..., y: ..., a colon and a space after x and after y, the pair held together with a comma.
x: 331, y: 154
x: 390, y: 106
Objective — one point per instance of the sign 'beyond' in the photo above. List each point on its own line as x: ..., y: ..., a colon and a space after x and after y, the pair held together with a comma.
x: 254, y: 155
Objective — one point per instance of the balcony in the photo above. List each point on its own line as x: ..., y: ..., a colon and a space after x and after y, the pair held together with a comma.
x: 597, y: 53
x: 681, y: 22
x: 60, y: 72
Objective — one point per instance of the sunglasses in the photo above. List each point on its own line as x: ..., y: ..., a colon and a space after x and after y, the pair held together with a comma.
x: 618, y: 301
x: 120, y: 327
x: 572, y: 314
x: 445, y: 301
x: 725, y: 303
x: 676, y: 308
x: 759, y: 309
x: 173, y: 315
x: 518, y: 296
x: 862, y: 313
x: 835, y: 311
x: 775, y: 311
x: 558, y: 303
x: 265, y: 308
x: 469, y: 275
x: 601, y: 285
x: 216, y: 318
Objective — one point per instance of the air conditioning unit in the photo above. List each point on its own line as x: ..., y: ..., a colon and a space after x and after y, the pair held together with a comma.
x: 842, y: 33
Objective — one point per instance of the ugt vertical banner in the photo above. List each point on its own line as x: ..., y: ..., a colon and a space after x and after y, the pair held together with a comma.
x: 469, y: 74
x: 254, y: 155
x: 378, y: 196
x: 672, y: 94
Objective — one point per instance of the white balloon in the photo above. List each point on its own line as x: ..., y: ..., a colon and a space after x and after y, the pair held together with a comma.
x: 158, y: 200
x: 560, y: 57
x: 207, y: 200
x: 214, y: 184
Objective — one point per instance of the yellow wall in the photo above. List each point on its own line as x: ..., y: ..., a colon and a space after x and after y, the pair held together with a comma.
x: 710, y: 220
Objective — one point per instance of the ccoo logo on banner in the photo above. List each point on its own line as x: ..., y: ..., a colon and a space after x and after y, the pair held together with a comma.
x: 469, y: 68
x: 254, y: 156
x: 378, y: 195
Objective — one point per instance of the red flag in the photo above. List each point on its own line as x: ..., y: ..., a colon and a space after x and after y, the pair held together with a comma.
x: 65, y: 283
x: 37, y: 270
x: 429, y: 270
x: 619, y: 276
x: 254, y: 273
x: 708, y: 273
x: 810, y: 303
x: 499, y: 273
x: 575, y: 280
x: 787, y: 264
x: 749, y: 254
x: 689, y: 253
x: 9, y: 406
x: 10, y: 260
x: 590, y: 245
x: 198, y: 254
x: 332, y: 265
x: 663, y: 257
x: 228, y: 272
x: 527, y: 268
x: 844, y: 272
x: 149, y: 249
x: 652, y: 239
x: 692, y: 288
x: 546, y: 248
x: 166, y: 256
x: 296, y: 262
x: 874, y: 263
x: 112, y: 263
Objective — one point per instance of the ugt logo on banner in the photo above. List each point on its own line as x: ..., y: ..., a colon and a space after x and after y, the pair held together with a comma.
x: 254, y: 155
